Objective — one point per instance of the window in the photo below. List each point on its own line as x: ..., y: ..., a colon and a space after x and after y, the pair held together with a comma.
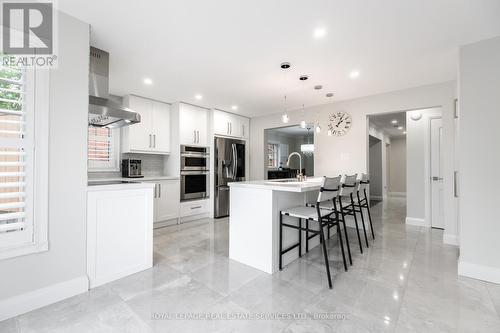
x: 272, y: 155
x: 23, y: 161
x: 103, y: 146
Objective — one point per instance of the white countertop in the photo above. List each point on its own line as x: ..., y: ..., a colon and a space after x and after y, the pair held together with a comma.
x: 115, y: 187
x: 143, y: 179
x: 311, y: 184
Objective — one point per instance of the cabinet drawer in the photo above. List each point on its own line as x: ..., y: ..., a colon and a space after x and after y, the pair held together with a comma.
x: 194, y: 207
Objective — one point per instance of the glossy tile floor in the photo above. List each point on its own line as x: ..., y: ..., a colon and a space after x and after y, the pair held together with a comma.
x: 405, y: 282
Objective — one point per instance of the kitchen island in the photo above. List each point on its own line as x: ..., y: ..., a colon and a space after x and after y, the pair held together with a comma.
x: 254, y: 220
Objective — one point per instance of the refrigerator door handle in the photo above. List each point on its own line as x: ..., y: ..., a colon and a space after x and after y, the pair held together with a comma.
x: 235, y: 161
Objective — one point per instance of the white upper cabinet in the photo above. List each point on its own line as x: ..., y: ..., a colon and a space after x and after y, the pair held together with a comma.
x: 193, y: 123
x: 228, y: 124
x: 152, y: 134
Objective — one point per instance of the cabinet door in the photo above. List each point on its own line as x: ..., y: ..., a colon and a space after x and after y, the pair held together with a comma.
x: 168, y: 201
x: 193, y: 125
x: 234, y: 125
x: 221, y: 123
x: 245, y: 127
x: 161, y: 127
x: 140, y: 135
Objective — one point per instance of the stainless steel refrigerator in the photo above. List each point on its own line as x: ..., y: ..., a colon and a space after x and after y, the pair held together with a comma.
x: 229, y: 167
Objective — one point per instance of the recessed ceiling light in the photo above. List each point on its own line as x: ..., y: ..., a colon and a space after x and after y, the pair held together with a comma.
x: 329, y: 95
x: 303, y: 77
x: 234, y: 107
x: 400, y: 128
x: 148, y: 81
x: 394, y: 121
x: 285, y: 65
x: 354, y: 74
x: 318, y: 87
x: 198, y: 96
x: 319, y: 33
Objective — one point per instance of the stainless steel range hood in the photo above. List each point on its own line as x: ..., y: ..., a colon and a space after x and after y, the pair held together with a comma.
x: 104, y: 112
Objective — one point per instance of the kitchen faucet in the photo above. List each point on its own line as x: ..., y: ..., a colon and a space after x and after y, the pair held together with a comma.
x: 300, y: 177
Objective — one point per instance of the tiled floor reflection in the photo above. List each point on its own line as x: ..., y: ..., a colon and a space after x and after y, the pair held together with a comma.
x: 405, y: 282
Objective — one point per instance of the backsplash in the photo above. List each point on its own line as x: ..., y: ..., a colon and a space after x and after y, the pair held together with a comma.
x: 152, y: 165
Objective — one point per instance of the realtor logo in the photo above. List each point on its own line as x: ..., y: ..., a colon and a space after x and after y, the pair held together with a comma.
x: 28, y: 28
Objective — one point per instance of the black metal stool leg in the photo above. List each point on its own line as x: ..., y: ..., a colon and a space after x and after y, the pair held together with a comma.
x: 369, y: 215
x: 341, y: 243
x: 345, y: 228
x: 300, y: 237
x: 325, y: 254
x: 357, y: 227
x: 362, y: 218
x: 307, y: 235
x: 281, y: 242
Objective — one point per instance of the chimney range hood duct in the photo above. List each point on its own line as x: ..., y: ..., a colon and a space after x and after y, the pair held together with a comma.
x: 104, y: 112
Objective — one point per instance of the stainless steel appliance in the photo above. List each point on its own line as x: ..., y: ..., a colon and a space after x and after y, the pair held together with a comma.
x: 195, y: 185
x: 104, y: 112
x: 195, y: 175
x: 229, y: 167
x: 194, y: 158
x: 131, y: 168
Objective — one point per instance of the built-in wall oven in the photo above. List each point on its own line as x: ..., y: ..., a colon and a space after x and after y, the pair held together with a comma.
x: 195, y: 175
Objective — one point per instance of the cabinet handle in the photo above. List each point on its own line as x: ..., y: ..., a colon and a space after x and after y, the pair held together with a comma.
x: 230, y: 128
x: 154, y: 196
x: 194, y: 132
x: 154, y: 140
x: 159, y: 190
x: 196, y: 207
x: 150, y: 137
x: 197, y: 136
x: 227, y: 132
x: 243, y: 129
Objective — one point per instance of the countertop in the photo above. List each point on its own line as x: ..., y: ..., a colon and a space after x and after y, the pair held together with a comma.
x: 123, y: 186
x: 285, y: 185
x: 143, y: 179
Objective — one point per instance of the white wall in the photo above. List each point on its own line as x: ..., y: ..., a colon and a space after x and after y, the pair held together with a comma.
x: 397, y: 165
x: 376, y: 168
x: 384, y: 167
x: 35, y: 280
x: 417, y: 171
x: 479, y: 100
x: 349, y: 154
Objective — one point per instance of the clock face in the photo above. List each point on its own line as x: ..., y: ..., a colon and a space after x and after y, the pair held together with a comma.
x: 340, y: 123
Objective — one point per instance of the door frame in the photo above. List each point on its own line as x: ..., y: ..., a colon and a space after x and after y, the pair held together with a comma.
x: 428, y: 185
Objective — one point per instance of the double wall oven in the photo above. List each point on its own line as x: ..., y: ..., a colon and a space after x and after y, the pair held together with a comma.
x: 195, y: 177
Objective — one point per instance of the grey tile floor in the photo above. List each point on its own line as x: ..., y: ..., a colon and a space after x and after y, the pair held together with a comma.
x: 405, y: 282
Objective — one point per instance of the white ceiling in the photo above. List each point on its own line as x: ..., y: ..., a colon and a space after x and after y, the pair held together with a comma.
x: 230, y: 51
x: 384, y: 123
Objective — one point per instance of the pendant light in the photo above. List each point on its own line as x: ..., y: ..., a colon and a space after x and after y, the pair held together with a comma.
x: 318, y: 128
x: 307, y: 148
x: 303, y: 122
x: 284, y: 118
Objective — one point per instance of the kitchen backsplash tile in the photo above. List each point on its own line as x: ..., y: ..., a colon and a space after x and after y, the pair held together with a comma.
x: 152, y: 165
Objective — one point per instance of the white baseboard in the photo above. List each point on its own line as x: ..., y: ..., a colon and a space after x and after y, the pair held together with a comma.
x: 480, y: 272
x: 38, y: 298
x: 417, y: 222
x: 450, y: 239
x: 397, y: 194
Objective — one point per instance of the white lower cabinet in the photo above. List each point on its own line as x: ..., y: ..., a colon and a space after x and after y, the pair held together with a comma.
x: 166, y: 199
x: 119, y: 231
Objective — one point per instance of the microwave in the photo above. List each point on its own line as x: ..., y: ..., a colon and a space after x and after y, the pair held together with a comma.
x: 194, y: 158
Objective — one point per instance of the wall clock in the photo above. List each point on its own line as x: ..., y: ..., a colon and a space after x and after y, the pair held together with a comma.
x: 339, y: 123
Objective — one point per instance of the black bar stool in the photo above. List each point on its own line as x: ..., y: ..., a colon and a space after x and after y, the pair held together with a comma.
x: 363, y: 202
x: 349, y: 186
x: 329, y: 190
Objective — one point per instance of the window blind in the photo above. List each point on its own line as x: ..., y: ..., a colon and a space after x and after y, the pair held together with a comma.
x: 100, y: 144
x: 13, y: 151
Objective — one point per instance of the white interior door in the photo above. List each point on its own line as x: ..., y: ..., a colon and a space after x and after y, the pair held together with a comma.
x: 437, y: 194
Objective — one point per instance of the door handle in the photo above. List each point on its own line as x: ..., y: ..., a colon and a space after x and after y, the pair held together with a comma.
x: 434, y: 178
